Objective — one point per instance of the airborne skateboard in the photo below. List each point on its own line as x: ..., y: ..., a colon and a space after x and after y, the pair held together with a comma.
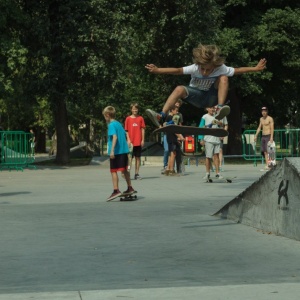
x: 192, y: 130
x: 271, y: 148
x: 224, y: 179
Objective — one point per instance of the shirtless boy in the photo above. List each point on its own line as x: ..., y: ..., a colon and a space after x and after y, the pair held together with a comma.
x: 266, y: 124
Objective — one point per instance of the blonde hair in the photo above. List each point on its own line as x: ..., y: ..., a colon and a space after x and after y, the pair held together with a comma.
x: 207, y: 54
x: 109, y: 110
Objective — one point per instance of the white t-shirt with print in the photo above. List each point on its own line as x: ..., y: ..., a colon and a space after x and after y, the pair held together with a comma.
x: 209, y: 138
x: 204, y: 83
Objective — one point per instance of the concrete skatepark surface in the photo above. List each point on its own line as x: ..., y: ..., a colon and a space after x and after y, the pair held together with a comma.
x: 60, y: 239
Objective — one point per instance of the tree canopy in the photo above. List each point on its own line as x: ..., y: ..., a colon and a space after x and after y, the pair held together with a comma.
x: 62, y: 62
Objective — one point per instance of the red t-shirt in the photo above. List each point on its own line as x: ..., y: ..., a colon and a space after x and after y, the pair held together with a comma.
x: 134, y: 127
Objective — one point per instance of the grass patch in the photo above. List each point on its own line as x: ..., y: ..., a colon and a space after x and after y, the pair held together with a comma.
x: 74, y: 162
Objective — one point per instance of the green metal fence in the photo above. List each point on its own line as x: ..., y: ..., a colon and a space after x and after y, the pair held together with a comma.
x: 287, y: 144
x: 16, y: 150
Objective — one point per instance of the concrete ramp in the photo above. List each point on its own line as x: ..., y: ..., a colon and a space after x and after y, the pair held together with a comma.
x: 272, y: 203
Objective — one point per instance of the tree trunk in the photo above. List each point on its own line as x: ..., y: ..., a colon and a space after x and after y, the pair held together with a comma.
x: 63, y: 140
x: 40, y: 140
x: 58, y: 87
x: 234, y: 146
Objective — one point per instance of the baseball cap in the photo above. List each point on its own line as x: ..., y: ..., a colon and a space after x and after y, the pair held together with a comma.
x: 264, y: 108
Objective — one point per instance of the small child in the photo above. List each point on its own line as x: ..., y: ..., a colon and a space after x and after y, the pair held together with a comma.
x: 135, y: 130
x: 118, y: 152
x: 173, y: 141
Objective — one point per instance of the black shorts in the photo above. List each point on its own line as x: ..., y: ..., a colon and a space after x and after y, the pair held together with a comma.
x: 119, y: 163
x: 137, y: 151
x: 173, y: 147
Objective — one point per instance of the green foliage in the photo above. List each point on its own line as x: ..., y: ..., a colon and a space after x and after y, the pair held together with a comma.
x: 86, y: 54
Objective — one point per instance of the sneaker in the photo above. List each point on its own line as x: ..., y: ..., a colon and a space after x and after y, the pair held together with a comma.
x: 114, y: 195
x: 166, y: 172
x: 155, y: 117
x: 207, y: 176
x: 172, y: 173
x: 266, y: 168
x: 222, y: 112
x: 162, y: 171
x: 130, y: 190
x: 218, y: 176
x: 137, y: 176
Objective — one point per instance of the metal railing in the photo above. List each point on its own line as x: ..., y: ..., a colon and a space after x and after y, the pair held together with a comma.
x: 16, y: 150
x: 286, y: 140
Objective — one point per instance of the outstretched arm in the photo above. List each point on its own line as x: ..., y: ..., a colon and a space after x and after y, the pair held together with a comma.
x: 155, y: 70
x: 258, y: 68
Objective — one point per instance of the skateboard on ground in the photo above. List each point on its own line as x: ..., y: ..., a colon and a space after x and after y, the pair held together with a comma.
x: 224, y: 179
x: 223, y: 112
x: 192, y: 130
x: 128, y: 197
x: 271, y: 154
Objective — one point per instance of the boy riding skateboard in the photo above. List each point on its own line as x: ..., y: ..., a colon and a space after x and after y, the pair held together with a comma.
x: 118, y: 152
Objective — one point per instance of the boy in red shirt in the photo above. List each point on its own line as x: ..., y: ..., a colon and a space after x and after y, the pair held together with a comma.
x: 135, y: 130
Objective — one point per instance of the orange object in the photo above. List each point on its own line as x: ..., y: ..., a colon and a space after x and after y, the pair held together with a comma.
x: 189, y: 144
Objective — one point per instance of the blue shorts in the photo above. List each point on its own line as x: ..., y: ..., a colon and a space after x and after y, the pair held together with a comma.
x: 201, y: 99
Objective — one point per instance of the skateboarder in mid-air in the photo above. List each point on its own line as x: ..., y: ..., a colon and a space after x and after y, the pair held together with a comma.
x: 118, y: 153
x: 209, y: 81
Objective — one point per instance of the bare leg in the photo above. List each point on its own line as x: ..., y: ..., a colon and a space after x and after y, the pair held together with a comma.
x: 207, y: 164
x: 115, y: 180
x: 216, y: 162
x: 137, y: 164
x: 266, y: 158
x: 223, y: 85
x: 179, y: 92
x: 220, y: 157
x: 171, y: 161
x: 127, y: 177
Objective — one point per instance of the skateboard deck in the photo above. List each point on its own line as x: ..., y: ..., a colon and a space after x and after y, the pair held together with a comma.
x: 126, y: 197
x: 192, y: 130
x: 271, y: 148
x: 224, y: 111
x: 224, y: 179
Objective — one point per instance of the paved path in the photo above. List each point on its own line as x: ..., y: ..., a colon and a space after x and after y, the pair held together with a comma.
x: 60, y: 239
